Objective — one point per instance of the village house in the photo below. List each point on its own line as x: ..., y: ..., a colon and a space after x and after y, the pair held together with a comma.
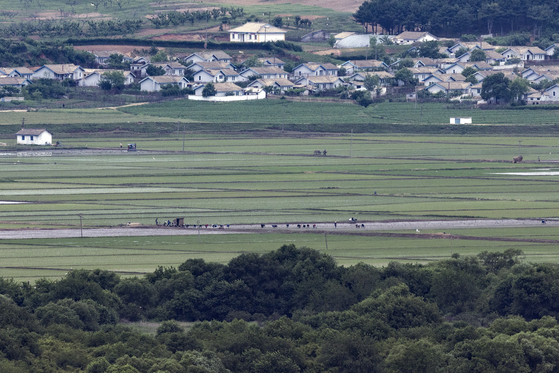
x: 547, y: 76
x: 280, y: 84
x: 59, y: 72
x: 524, y: 53
x: 363, y: 65
x: 453, y: 69
x: 320, y: 83
x: 551, y: 50
x: 92, y: 77
x: 469, y: 46
x: 29, y: 136
x: 494, y: 58
x: 424, y: 62
x: 139, y: 70
x: 273, y: 61
x: 357, y: 79
x: 218, y: 76
x: 219, y: 56
x: 456, y: 77
x: 102, y: 57
x: 271, y: 72
x: 22, y: 72
x: 475, y: 90
x: 171, y: 68
x: 16, y: 82
x: 210, y: 65
x: 534, y: 72
x: 155, y: 83
x: 222, y: 90
x: 253, y: 32
x: 548, y: 96
x: 422, y: 73
x: 410, y: 37
x: 449, y: 87
x: 432, y: 79
x: 315, y: 69
x: 481, y: 65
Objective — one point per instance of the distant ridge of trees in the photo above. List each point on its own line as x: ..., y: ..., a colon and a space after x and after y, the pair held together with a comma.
x: 463, y: 16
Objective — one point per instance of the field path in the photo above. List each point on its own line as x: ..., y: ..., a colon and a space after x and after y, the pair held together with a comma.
x: 412, y: 227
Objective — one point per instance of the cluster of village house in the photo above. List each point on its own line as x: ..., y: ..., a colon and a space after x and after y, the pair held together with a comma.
x: 433, y: 75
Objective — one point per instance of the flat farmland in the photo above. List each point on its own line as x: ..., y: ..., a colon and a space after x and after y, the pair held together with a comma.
x: 332, y: 114
x: 222, y: 179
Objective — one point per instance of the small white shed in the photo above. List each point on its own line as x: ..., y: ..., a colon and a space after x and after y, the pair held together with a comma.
x: 464, y: 120
x: 34, y: 137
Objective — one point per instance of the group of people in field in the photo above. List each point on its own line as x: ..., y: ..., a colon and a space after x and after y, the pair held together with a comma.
x: 169, y: 223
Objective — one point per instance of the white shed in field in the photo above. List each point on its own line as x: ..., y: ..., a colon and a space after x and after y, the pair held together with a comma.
x: 465, y: 120
x: 34, y: 137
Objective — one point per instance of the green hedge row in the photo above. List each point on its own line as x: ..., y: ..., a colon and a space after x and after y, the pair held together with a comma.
x: 184, y: 44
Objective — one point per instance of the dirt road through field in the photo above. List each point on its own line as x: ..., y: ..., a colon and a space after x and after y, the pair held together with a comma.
x: 341, y: 227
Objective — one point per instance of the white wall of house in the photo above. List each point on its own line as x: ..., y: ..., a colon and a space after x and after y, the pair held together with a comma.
x: 92, y: 80
x: 465, y: 120
x: 45, y: 138
x: 552, y: 94
x: 435, y: 89
x: 261, y: 95
x: 203, y: 77
x: 303, y: 71
x: 456, y: 69
x: 251, y: 37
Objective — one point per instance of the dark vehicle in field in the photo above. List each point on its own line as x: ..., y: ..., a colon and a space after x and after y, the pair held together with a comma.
x: 131, y: 147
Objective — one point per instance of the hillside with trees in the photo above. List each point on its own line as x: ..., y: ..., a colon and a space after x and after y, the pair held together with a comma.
x: 291, y: 310
x: 461, y: 17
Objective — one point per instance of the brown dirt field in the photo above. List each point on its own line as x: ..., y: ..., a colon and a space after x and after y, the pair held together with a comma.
x: 327, y: 52
x: 180, y: 37
x: 349, y: 6
x: 181, y: 9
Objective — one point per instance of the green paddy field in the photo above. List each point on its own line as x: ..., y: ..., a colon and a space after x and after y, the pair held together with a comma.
x: 253, y: 179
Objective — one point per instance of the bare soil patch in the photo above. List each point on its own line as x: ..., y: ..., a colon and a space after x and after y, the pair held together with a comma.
x: 327, y: 52
x: 349, y: 6
x: 179, y: 37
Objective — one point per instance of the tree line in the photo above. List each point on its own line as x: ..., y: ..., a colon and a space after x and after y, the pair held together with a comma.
x: 291, y: 310
x: 463, y: 16
x: 176, y: 18
x: 57, y: 28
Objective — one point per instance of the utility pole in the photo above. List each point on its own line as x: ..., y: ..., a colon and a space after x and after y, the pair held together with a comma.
x: 351, y: 143
x: 183, y: 136
x: 81, y: 225
x: 198, y: 224
x: 519, y: 143
x: 326, y: 240
x: 283, y: 122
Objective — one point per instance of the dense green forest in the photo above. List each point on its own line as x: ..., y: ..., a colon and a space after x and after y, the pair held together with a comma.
x: 461, y: 17
x: 291, y: 310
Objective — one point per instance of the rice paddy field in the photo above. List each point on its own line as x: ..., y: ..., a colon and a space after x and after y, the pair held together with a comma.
x: 253, y: 179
